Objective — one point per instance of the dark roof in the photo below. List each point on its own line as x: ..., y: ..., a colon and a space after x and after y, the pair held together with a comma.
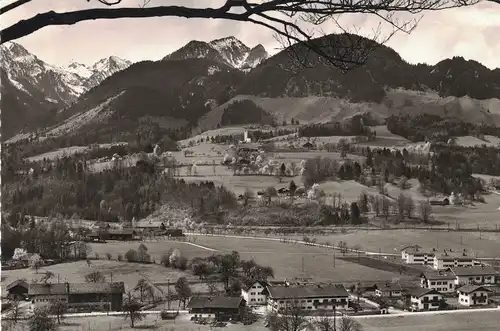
x: 261, y: 282
x: 386, y: 287
x: 473, y: 288
x: 214, y: 302
x: 19, y: 282
x: 419, y: 292
x: 62, y: 288
x: 410, y: 246
x: 473, y: 271
x: 453, y: 256
x: 438, y: 276
x: 308, y: 291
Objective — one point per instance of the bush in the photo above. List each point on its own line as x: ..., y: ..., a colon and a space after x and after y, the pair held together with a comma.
x: 119, y: 257
x: 108, y: 256
x: 131, y: 255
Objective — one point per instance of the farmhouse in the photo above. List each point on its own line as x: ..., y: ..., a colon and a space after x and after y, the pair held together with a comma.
x: 474, y: 275
x: 473, y: 295
x: 220, y: 308
x: 309, y: 297
x: 415, y: 255
x: 308, y: 145
x: 389, y: 290
x: 425, y: 299
x: 118, y: 234
x: 255, y: 294
x: 18, y: 289
x: 439, y: 281
x: 447, y: 260
x: 78, y: 296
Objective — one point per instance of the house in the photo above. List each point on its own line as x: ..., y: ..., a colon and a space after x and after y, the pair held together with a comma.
x: 78, y: 296
x: 473, y: 295
x: 440, y: 281
x: 447, y: 259
x: 308, y: 145
x: 415, y: 255
x: 309, y: 297
x: 18, y: 289
x: 114, y: 234
x: 389, y: 290
x: 440, y: 202
x: 425, y: 299
x: 218, y: 307
x: 255, y: 294
x: 474, y: 275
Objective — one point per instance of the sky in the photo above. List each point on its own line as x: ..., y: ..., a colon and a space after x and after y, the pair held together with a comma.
x: 470, y: 32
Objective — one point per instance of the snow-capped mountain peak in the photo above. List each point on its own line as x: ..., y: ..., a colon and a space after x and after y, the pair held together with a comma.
x: 80, y: 69
x: 228, y: 50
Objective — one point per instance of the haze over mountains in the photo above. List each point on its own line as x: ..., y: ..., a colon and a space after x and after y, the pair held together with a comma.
x: 195, y: 84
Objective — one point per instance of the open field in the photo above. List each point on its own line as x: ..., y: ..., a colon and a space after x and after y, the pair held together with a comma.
x: 155, y: 248
x: 75, y: 272
x: 294, y: 260
x: 391, y: 241
x: 457, y: 321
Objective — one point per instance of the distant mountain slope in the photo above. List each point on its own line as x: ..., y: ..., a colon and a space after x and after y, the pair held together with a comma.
x: 180, y: 89
x: 32, y: 87
x: 384, y: 69
x: 318, y: 109
x: 229, y: 51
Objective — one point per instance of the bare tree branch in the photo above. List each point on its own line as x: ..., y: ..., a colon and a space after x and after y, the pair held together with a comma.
x: 13, y: 5
x: 298, y: 22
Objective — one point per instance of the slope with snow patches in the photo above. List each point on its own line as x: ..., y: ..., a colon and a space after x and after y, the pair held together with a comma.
x: 77, y: 121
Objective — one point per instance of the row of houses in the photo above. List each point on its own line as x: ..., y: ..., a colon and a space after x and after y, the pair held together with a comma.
x: 448, y: 281
x: 437, y: 260
x: 77, y: 297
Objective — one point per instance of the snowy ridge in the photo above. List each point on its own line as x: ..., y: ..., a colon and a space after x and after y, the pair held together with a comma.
x: 228, y: 50
x: 60, y: 85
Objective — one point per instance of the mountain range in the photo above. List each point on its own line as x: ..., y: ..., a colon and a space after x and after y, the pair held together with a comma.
x: 196, y: 84
x: 33, y: 90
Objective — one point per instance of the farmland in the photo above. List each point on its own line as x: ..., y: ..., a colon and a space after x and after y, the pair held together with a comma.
x: 75, y: 272
x: 391, y: 241
x: 463, y: 321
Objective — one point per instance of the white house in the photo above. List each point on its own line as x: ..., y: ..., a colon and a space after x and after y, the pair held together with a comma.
x: 415, y: 255
x: 474, y: 275
x: 473, y: 295
x: 425, y: 299
x: 449, y: 260
x: 309, y: 297
x: 441, y: 282
x: 255, y: 294
x: 389, y: 290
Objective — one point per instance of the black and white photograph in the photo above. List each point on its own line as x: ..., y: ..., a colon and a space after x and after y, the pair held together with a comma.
x: 250, y: 165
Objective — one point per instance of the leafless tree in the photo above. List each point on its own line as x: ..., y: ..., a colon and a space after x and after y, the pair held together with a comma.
x: 425, y: 210
x: 291, y: 318
x: 292, y: 21
x: 409, y: 206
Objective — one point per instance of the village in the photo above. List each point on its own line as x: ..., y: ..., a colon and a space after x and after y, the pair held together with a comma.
x: 445, y: 280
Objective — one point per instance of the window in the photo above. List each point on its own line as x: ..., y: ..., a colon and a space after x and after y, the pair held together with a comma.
x: 433, y: 283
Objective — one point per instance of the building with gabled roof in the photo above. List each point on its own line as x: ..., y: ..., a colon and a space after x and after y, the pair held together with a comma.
x: 425, y: 299
x: 309, y: 297
x: 474, y: 275
x: 18, y: 289
x: 388, y: 290
x: 415, y: 255
x: 473, y: 295
x: 255, y: 293
x: 449, y: 259
x: 219, y: 307
x: 78, y: 296
x: 443, y: 282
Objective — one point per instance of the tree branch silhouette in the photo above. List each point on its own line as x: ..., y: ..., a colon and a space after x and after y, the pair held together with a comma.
x: 288, y: 19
